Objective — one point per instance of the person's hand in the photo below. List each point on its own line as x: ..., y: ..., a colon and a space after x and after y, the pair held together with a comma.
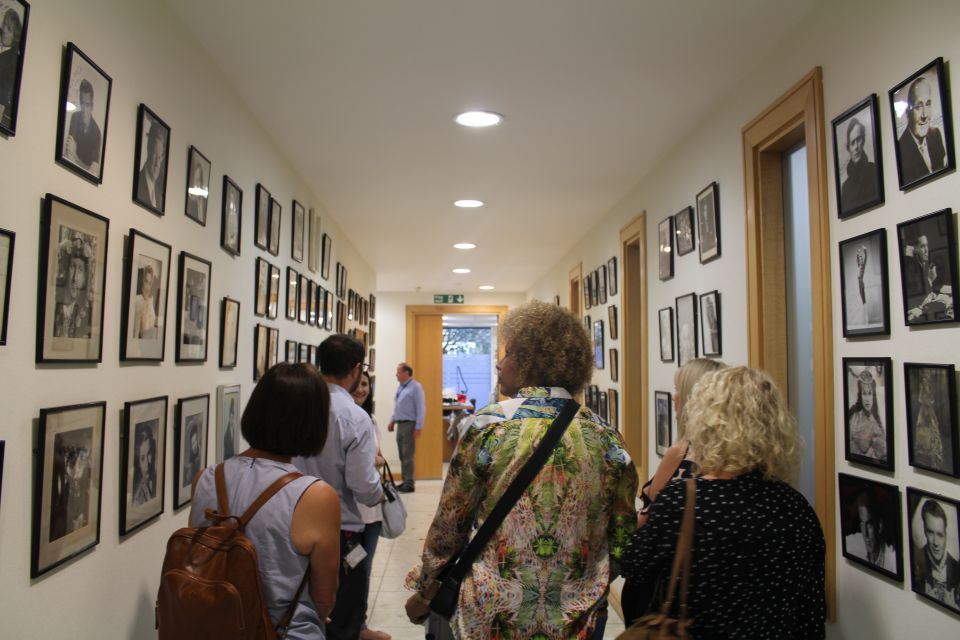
x: 390, y: 427
x: 417, y: 608
x: 70, y: 149
x: 416, y: 433
x: 381, y: 460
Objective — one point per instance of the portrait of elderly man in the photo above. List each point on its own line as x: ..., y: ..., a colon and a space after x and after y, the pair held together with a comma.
x: 921, y: 147
x: 861, y: 184
x: 936, y: 573
x: 561, y: 544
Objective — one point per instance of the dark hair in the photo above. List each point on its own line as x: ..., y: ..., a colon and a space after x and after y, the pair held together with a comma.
x: 368, y: 403
x: 144, y: 434
x: 933, y: 509
x: 407, y: 368
x: 288, y: 411
x: 339, y: 354
x: 86, y: 88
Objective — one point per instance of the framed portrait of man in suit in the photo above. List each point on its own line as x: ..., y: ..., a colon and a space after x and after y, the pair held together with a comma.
x: 857, y: 161
x: 928, y: 268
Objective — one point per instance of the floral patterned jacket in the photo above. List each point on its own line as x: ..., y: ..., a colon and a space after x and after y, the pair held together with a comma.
x: 546, y: 570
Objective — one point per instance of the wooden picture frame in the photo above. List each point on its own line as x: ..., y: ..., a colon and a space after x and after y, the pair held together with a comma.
x: 190, y: 430
x: 146, y: 285
x: 229, y: 332
x: 84, y: 95
x: 231, y: 217
x: 857, y: 159
x: 614, y: 356
x: 193, y: 304
x: 143, y: 462
x: 864, y: 285
x: 151, y: 161
x: 868, y: 422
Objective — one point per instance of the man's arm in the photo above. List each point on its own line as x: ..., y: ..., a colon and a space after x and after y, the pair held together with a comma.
x: 421, y: 406
x: 360, y: 466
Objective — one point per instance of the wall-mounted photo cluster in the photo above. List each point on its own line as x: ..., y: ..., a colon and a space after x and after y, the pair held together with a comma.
x: 598, y: 285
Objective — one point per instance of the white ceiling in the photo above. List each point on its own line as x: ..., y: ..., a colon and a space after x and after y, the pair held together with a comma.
x: 360, y: 96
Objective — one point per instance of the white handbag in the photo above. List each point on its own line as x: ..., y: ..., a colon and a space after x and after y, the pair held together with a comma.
x: 394, y: 513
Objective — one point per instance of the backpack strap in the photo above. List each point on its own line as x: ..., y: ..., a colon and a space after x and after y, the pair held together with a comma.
x: 268, y: 493
x: 223, y: 504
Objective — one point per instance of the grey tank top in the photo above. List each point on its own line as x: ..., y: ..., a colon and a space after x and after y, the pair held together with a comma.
x: 281, y: 565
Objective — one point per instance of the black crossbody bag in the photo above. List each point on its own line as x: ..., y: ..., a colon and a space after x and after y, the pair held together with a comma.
x: 446, y: 586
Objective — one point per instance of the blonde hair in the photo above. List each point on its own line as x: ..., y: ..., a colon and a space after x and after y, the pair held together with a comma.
x: 737, y: 421
x: 549, y: 345
x: 687, y: 377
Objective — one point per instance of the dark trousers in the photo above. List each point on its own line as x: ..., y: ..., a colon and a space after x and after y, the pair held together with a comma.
x: 371, y: 535
x: 346, y: 619
x: 407, y: 445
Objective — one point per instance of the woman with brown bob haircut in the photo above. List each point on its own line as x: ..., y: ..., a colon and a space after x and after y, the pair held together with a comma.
x: 546, y: 570
x: 299, y: 527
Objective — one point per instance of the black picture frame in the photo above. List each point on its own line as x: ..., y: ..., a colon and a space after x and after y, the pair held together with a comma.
x: 602, y: 286
x: 598, y: 348
x: 312, y: 310
x: 929, y: 286
x: 328, y: 305
x: 261, y: 338
x: 319, y: 298
x: 327, y: 253
x: 611, y: 277
x: 663, y: 421
x: 864, y: 285
x: 665, y: 316
x: 711, y: 331
x: 870, y: 516
x: 290, y: 351
x: 273, y: 346
x: 82, y: 150
x: 293, y: 277
x: 665, y: 250
x: 595, y: 275
x: 602, y: 405
x: 192, y: 419
x: 68, y: 484
x: 351, y: 304
x: 228, y: 422
x: 231, y: 217
x: 868, y: 422
x: 687, y: 343
x: 229, y: 332
x: 859, y: 179
x: 273, y: 294
x: 71, y: 283
x: 7, y: 244
x: 261, y: 287
x: 303, y: 352
x: 587, y: 293
x: 312, y: 352
x: 297, y: 231
x: 146, y: 286
x: 341, y: 317
x: 940, y: 520
x: 341, y: 281
x: 612, y: 321
x: 708, y: 222
x: 193, y: 305
x: 936, y: 126
x: 3, y: 446
x: 276, y: 216
x: 614, y: 357
x: 683, y: 230
x: 261, y: 228
x: 142, y: 480
x: 931, y: 395
x: 197, y: 195
x: 313, y: 244
x: 151, y: 161
x: 19, y: 12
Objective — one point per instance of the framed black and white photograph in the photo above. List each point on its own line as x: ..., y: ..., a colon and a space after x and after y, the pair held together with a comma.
x: 292, y: 279
x: 231, y: 217
x: 614, y: 356
x: 341, y: 317
x: 146, y: 280
x: 708, y: 221
x: 189, y: 445
x: 598, y: 348
x: 351, y: 304
x: 261, y: 229
x: 319, y: 302
x: 373, y: 307
x: 290, y: 347
x: 931, y: 393
x: 273, y: 347
x: 602, y: 401
x: 663, y: 413
x: 312, y: 352
x: 273, y: 295
x: 16, y: 17
x: 857, y: 161
x: 83, y: 114
x: 665, y: 251
x: 864, y: 285
x: 373, y: 332
x: 612, y: 321
x: 228, y: 421
x: 341, y: 281
x: 611, y: 277
x: 312, y: 310
x: 928, y: 268
x: 261, y: 287
x: 327, y: 253
x: 313, y: 244
x: 922, y: 126
x: 595, y: 275
x: 303, y: 352
x: 193, y: 304
x: 67, y: 484
x: 602, y: 286
x: 150, y: 163
x: 587, y: 292
x: 683, y: 230
x: 7, y: 241
x: 72, y: 279
x: 666, y: 334
x: 276, y: 213
x: 303, y: 310
x: 198, y: 185
x: 328, y: 305
x: 932, y: 521
x: 229, y: 331
x: 143, y: 462
x: 870, y: 517
x: 261, y: 338
x: 868, y: 415
x: 297, y: 231
x: 710, y: 325
x: 686, y: 328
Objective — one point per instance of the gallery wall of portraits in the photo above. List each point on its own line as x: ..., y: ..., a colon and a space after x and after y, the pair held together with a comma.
x: 152, y: 266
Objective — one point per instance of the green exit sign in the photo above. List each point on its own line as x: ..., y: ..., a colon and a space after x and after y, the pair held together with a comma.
x: 448, y: 298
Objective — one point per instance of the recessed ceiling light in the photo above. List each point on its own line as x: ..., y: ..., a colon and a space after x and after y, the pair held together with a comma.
x: 464, y: 245
x: 461, y: 270
x: 479, y: 118
x: 468, y: 204
x: 487, y: 287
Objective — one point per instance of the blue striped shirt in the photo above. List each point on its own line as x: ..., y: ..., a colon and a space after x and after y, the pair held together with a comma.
x: 410, y: 403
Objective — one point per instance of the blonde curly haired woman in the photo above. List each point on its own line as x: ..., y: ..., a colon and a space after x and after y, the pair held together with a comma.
x: 758, y: 551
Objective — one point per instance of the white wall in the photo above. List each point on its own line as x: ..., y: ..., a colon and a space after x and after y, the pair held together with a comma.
x: 864, y: 47
x: 391, y: 349
x: 110, y: 591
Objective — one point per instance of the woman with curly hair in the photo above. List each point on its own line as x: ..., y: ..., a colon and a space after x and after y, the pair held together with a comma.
x: 758, y: 552
x: 546, y: 570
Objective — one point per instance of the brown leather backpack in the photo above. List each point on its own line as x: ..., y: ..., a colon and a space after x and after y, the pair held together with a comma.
x: 210, y: 583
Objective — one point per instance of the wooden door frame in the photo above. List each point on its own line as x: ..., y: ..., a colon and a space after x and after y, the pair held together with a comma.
x: 412, y: 312
x: 633, y: 356
x: 575, y: 290
x: 794, y: 117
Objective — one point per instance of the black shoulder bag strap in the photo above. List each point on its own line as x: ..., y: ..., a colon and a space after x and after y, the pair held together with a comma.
x: 444, y: 601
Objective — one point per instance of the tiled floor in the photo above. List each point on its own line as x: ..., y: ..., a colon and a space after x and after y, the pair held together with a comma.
x: 393, y: 560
